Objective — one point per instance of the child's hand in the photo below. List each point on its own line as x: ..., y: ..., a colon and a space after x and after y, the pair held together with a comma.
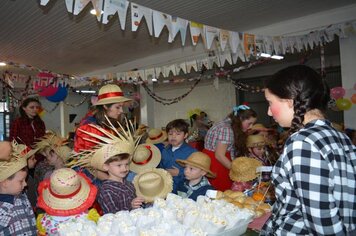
x: 174, y: 171
x: 137, y: 202
x: 31, y: 162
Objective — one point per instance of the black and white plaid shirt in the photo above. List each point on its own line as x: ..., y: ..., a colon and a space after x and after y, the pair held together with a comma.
x: 315, y: 180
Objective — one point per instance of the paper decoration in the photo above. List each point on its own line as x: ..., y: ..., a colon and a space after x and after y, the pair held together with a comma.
x: 137, y: 12
x: 121, y: 76
x: 181, y: 67
x: 169, y: 69
x: 158, y: 71
x: 268, y: 43
x: 225, y: 56
x: 223, y: 38
x: 203, y: 62
x: 113, y: 6
x: 44, y: 2
x: 178, y: 25
x: 277, y: 44
x: 69, y: 5
x: 213, y: 59
x: 210, y: 34
x: 150, y: 74
x: 260, y: 46
x: 79, y: 6
x: 159, y: 21
x: 191, y: 65
x: 249, y: 44
x: 196, y: 30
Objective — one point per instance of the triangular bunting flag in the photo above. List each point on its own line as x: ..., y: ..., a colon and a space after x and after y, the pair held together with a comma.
x: 223, y: 38
x: 44, y: 2
x: 234, y: 41
x: 113, y: 6
x: 249, y: 44
x: 178, y: 25
x: 191, y: 65
x: 137, y: 12
x: 159, y: 21
x: 181, y: 67
x: 210, y: 34
x: 79, y: 6
x: 225, y: 56
x: 196, y: 30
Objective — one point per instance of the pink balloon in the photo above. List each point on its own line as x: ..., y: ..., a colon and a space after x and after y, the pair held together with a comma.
x: 45, y: 91
x: 337, y: 92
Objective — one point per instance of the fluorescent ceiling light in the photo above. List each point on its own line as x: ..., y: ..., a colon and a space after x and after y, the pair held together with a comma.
x: 265, y: 55
x: 85, y: 91
x: 2, y: 63
x: 277, y: 57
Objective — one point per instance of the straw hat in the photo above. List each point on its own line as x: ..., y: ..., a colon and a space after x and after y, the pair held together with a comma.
x: 243, y: 169
x: 66, y: 193
x: 199, y: 160
x: 259, y: 127
x: 156, y: 136
x: 112, y: 143
x: 146, y: 156
x: 18, y: 160
x: 56, y: 143
x: 153, y: 183
x: 255, y: 141
x: 111, y: 93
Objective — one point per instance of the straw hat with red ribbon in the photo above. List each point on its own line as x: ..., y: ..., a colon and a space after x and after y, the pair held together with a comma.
x: 146, y: 156
x: 113, y: 142
x: 156, y: 136
x: 111, y: 93
x: 66, y: 193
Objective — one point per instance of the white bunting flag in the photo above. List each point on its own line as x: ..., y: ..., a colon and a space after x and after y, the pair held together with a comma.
x: 268, y: 42
x: 69, y: 5
x: 234, y: 41
x: 277, y: 45
x: 210, y: 33
x: 203, y: 62
x: 225, y: 56
x: 285, y: 45
x: 260, y: 46
x: 191, y: 65
x: 170, y: 69
x: 98, y: 6
x: 44, y: 2
x: 178, y: 25
x: 121, y: 76
x: 137, y: 12
x: 223, y: 38
x: 79, y: 6
x: 213, y: 59
x: 181, y: 67
x: 196, y: 30
x: 150, y: 74
x: 113, y: 6
x: 159, y: 21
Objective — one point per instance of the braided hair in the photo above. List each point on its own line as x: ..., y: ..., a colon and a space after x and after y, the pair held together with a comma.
x: 304, y: 86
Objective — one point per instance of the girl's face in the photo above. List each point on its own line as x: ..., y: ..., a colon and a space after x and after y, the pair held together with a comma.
x: 280, y: 109
x: 257, y: 151
x: 31, y: 109
x: 247, y: 124
x: 115, y: 110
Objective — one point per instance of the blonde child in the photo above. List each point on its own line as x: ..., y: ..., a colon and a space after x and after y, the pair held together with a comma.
x: 17, y: 217
x: 196, y: 171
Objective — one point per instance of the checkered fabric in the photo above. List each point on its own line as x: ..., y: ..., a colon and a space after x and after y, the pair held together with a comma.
x: 315, y: 180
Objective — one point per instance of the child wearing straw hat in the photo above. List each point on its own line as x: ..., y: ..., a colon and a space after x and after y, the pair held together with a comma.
x: 157, y: 137
x: 196, y: 171
x: 108, y: 109
x: 17, y: 217
x: 65, y: 196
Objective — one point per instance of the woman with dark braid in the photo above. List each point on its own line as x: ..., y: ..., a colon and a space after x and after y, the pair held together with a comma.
x: 315, y: 176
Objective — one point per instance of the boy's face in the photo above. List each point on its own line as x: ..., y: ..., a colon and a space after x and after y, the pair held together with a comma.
x: 16, y: 184
x: 193, y: 173
x: 118, y: 170
x: 176, y: 137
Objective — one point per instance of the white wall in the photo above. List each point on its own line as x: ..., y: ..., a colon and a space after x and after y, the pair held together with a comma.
x: 348, y: 72
x: 217, y: 103
x: 52, y: 119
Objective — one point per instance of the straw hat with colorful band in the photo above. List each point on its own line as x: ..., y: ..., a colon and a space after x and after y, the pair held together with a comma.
x: 243, y: 169
x: 66, y: 193
x: 112, y: 143
x: 146, y: 156
x: 111, y: 93
x: 153, y: 183
x: 156, y: 136
x: 255, y: 141
x: 199, y: 160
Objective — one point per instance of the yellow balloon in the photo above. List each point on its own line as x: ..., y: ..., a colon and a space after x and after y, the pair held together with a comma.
x: 343, y: 104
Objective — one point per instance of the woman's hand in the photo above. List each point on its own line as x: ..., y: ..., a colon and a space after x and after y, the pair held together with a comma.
x: 220, y: 151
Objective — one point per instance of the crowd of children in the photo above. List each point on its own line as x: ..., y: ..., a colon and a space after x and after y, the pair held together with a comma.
x: 238, y: 156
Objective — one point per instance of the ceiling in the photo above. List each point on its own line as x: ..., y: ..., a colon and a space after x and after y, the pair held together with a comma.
x: 52, y: 38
